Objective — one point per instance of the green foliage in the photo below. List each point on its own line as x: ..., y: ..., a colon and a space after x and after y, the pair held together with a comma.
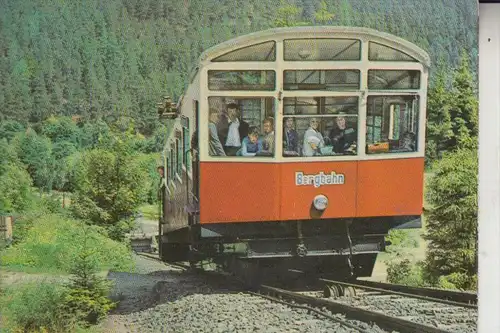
x: 439, y: 125
x: 459, y: 281
x: 59, y: 129
x: 452, y: 221
x: 128, y: 54
x: 452, y: 120
x: 148, y: 164
x: 15, y: 189
x: 406, y: 273
x: 464, y: 106
x: 34, y: 307
x: 323, y: 16
x: 9, y: 128
x: 35, y: 152
x: 94, y: 134
x: 52, y: 243
x: 288, y: 15
x: 109, y: 185
x: 401, y: 240
x: 87, y: 299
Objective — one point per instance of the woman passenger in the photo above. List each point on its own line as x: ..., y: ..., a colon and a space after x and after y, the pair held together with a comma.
x: 313, y: 140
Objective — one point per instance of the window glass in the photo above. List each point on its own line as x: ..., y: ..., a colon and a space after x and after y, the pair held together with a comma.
x: 241, y: 126
x: 320, y: 126
x: 167, y: 171
x: 393, y: 79
x: 178, y: 146
x: 392, y: 124
x: 379, y: 52
x: 241, y: 80
x: 322, y: 49
x: 334, y: 80
x: 258, y: 52
x: 185, y: 139
x: 171, y: 166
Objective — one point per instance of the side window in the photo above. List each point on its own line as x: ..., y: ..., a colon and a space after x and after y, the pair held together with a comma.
x: 167, y: 171
x: 170, y: 165
x: 185, y: 140
x: 320, y: 126
x: 241, y: 126
x: 178, y: 150
x: 173, y: 160
x: 392, y: 124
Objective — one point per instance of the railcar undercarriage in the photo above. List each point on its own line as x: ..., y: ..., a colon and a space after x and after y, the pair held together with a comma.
x: 340, y: 248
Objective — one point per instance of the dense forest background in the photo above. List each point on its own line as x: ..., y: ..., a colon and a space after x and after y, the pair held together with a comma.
x: 108, y: 59
x: 80, y: 138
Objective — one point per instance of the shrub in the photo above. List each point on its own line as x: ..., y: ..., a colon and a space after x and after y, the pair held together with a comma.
x: 87, y: 298
x: 34, y: 307
x: 405, y: 273
x: 52, y: 243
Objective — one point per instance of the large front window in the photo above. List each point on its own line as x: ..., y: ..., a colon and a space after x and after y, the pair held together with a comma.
x: 241, y: 126
x: 391, y: 124
x: 320, y: 126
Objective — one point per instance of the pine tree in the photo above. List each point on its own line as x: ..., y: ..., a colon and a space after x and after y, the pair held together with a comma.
x: 323, y: 16
x: 452, y: 220
x: 464, y: 110
x: 439, y: 126
x: 86, y: 299
x: 288, y: 15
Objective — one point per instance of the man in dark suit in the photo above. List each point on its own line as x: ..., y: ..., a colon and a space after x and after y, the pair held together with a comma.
x: 342, y: 136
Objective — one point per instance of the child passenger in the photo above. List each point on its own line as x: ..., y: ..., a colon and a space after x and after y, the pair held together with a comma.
x: 251, y: 144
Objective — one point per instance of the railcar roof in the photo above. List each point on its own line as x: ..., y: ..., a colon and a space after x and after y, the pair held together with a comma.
x: 316, y: 32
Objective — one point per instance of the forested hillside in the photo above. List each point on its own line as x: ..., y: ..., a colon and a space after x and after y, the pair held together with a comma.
x: 104, y: 59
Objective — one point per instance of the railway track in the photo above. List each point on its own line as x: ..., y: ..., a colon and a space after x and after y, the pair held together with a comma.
x: 388, y: 308
x: 394, y: 308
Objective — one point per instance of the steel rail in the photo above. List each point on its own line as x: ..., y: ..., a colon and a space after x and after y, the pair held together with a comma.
x: 340, y: 321
x: 382, y: 320
x: 454, y: 295
x: 412, y: 293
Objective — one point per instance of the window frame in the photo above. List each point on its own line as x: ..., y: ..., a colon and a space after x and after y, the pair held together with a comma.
x: 237, y: 96
x: 322, y: 115
x: 415, y: 119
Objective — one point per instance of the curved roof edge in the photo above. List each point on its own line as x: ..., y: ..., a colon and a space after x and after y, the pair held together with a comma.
x: 316, y: 31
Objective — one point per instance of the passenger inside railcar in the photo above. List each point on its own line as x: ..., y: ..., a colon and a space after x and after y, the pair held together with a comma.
x: 290, y: 138
x: 407, y: 142
x: 251, y: 145
x: 214, y: 145
x: 236, y: 130
x: 313, y: 139
x: 342, y: 137
x: 268, y: 141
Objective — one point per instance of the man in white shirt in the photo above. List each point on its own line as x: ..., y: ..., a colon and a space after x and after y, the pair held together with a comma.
x: 237, y: 130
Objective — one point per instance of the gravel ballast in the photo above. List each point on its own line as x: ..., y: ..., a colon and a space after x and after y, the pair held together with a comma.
x: 161, y: 298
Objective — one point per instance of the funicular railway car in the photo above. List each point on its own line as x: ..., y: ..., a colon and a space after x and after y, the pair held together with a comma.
x: 297, y: 147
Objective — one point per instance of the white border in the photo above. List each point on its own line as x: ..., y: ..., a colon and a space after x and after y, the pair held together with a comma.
x: 489, y: 160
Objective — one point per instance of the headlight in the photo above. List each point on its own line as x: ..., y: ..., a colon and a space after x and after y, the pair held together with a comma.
x: 320, y: 202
